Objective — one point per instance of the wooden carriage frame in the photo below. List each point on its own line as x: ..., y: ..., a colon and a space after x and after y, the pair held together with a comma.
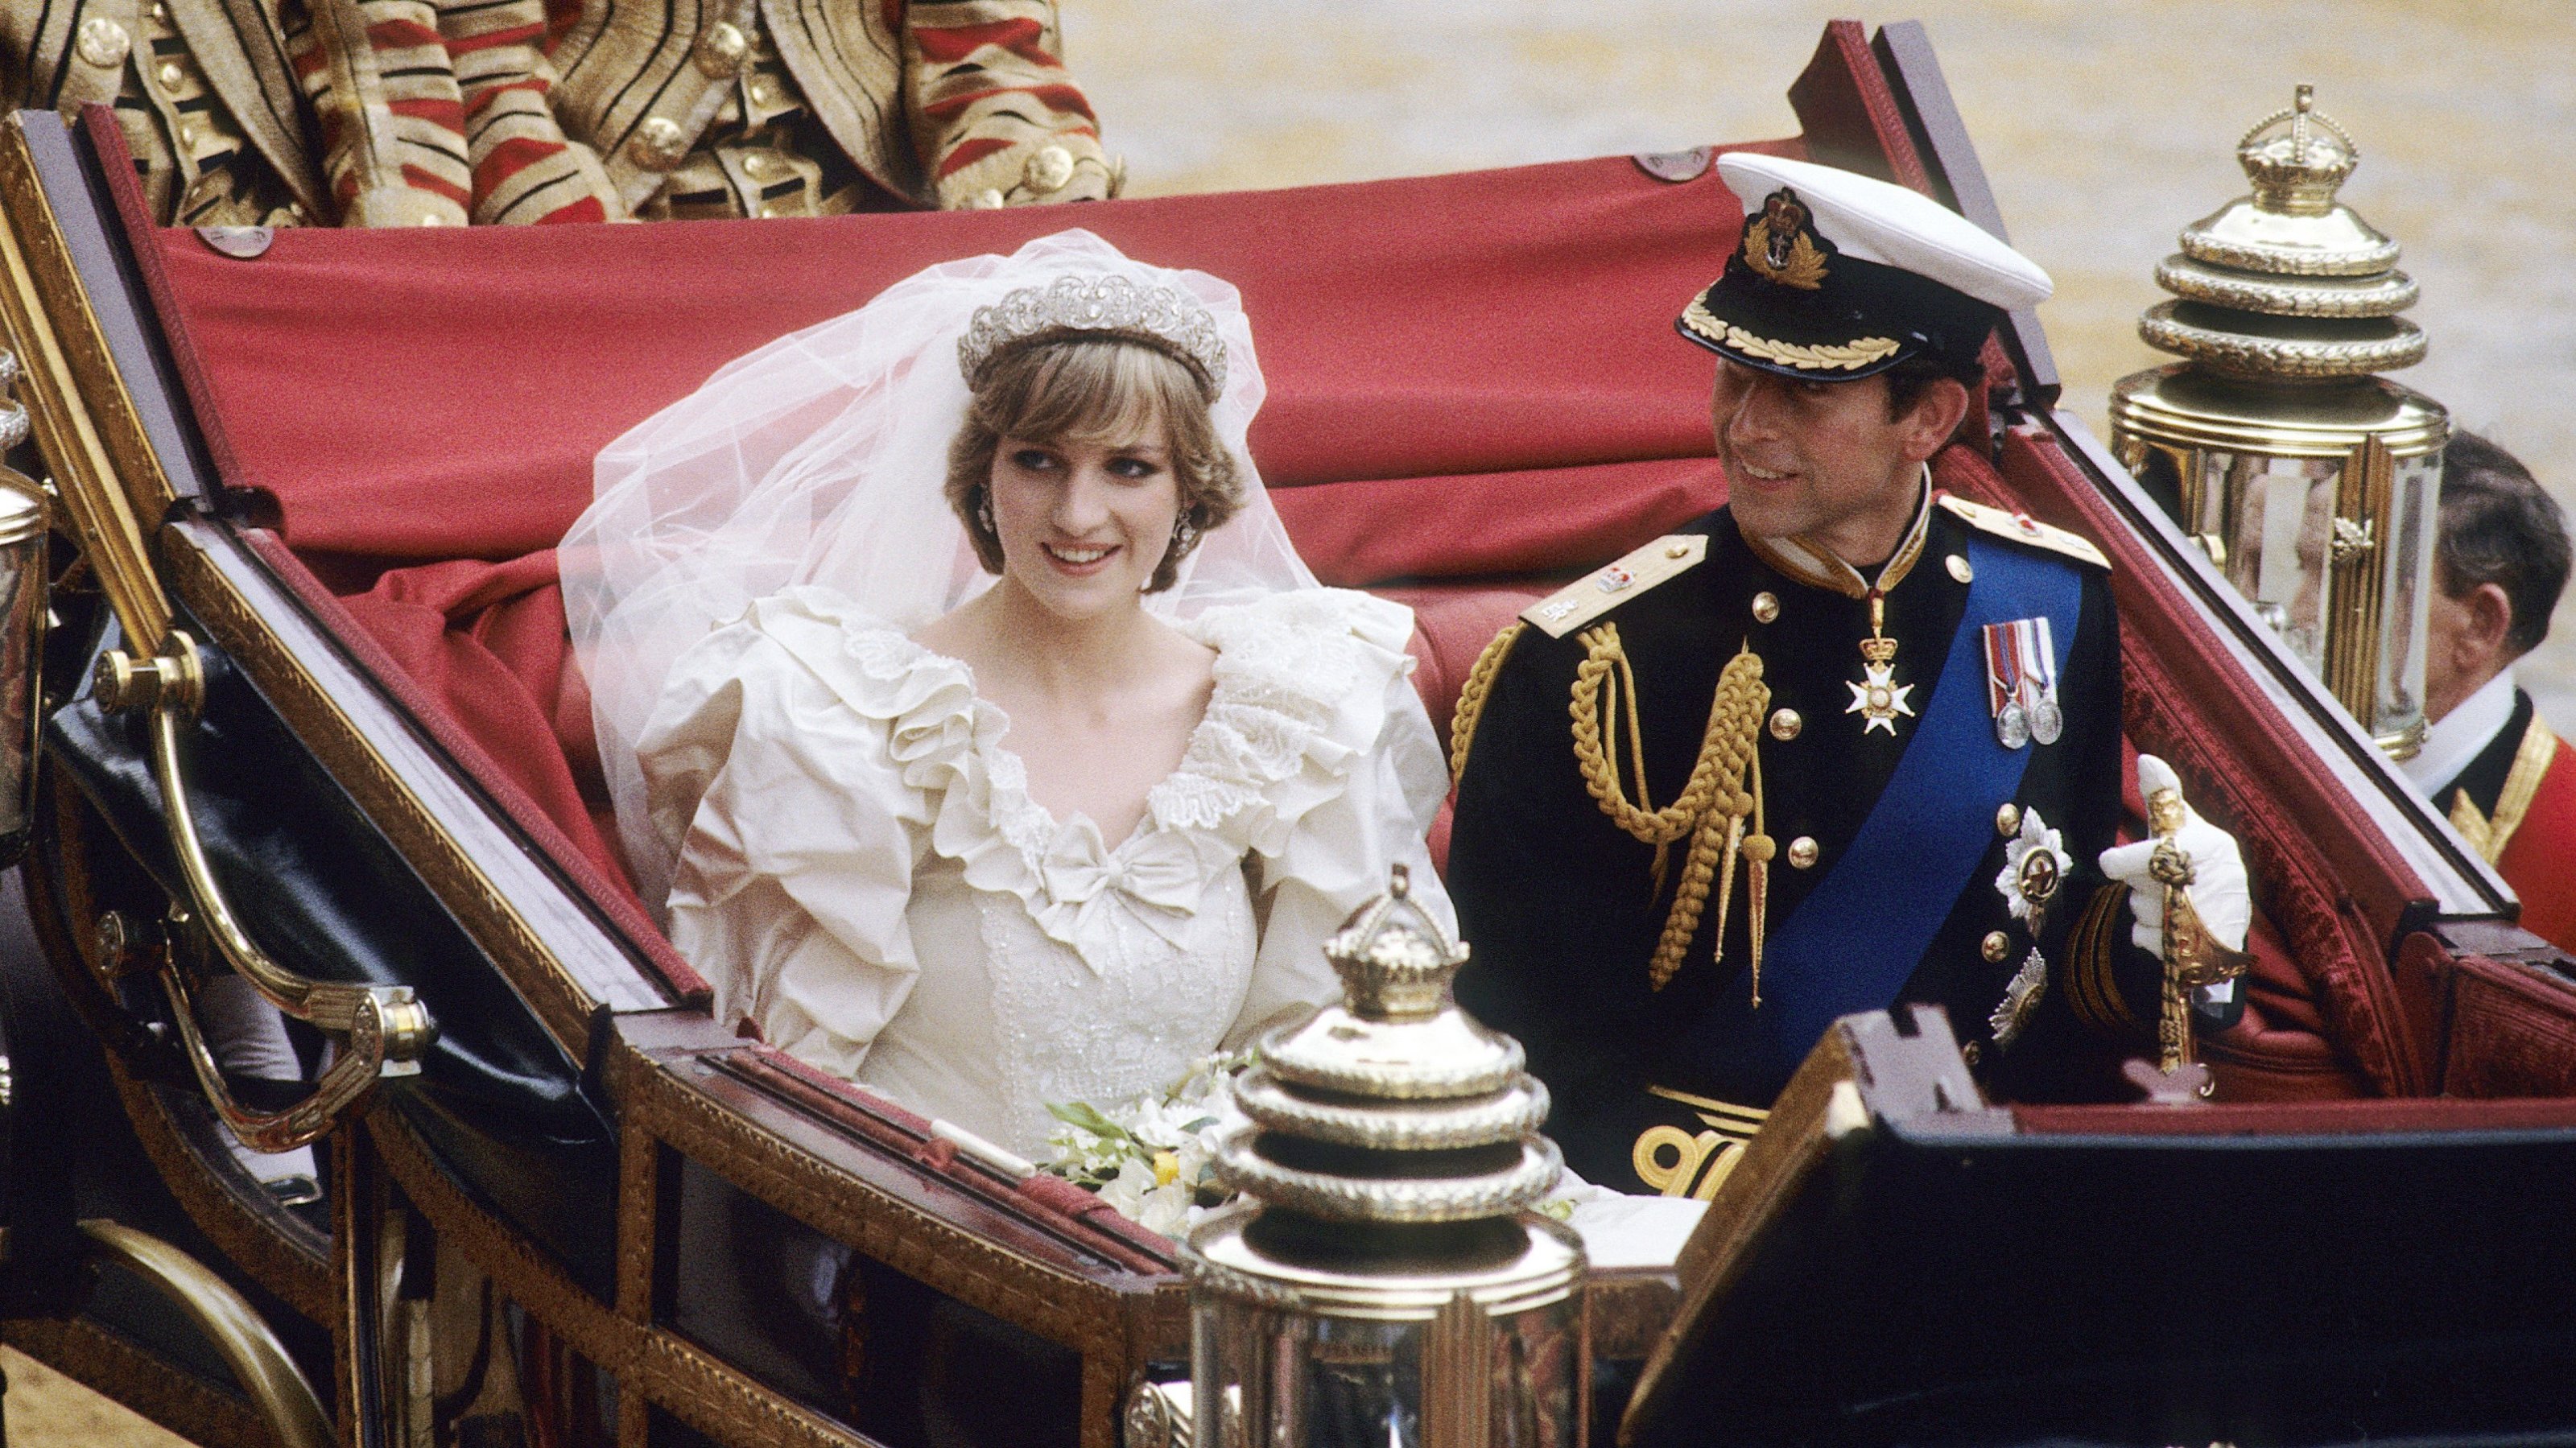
x: 2416, y: 928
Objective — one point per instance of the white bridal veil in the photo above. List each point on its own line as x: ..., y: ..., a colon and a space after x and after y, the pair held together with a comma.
x: 819, y: 459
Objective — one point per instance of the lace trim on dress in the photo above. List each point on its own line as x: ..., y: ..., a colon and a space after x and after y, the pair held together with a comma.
x: 1301, y: 680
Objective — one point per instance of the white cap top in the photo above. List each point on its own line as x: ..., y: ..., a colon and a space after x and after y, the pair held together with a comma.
x: 1890, y: 225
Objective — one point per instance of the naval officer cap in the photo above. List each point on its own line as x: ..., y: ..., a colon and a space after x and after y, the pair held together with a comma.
x: 1840, y: 276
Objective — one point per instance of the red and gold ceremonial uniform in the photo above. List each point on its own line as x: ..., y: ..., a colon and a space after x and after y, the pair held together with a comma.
x: 585, y: 110
x: 204, y: 91
x: 2516, y: 803
x: 445, y: 112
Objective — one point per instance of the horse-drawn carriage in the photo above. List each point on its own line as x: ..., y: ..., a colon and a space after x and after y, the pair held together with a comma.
x: 307, y: 715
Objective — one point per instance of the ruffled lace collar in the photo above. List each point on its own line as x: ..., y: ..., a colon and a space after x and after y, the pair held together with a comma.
x: 1300, y: 682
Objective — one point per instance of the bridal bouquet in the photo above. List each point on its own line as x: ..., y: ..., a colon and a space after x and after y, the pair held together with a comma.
x: 1154, y: 1158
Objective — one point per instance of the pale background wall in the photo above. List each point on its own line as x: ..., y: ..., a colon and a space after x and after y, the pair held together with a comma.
x: 2106, y: 125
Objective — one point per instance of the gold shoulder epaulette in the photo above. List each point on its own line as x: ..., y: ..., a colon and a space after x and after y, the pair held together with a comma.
x: 1603, y: 589
x: 2023, y: 528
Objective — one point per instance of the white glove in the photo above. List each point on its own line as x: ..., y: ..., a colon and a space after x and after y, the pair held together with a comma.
x: 2218, y: 887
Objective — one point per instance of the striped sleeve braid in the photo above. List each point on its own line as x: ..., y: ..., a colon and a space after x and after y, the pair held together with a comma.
x: 525, y: 170
x: 2092, y: 989
x: 393, y: 120
x: 996, y: 116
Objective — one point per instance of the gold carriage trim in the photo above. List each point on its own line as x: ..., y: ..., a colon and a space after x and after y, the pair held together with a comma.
x: 1839, y: 357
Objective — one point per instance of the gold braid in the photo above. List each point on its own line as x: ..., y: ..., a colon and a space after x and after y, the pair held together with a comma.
x: 1713, y: 808
x: 1471, y: 697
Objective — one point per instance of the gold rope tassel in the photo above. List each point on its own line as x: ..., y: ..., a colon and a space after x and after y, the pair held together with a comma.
x: 1713, y: 808
x: 1471, y: 697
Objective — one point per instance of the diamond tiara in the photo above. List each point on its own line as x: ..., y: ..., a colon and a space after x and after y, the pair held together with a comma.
x: 1156, y: 316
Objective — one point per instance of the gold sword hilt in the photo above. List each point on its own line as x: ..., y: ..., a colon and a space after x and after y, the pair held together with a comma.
x: 2193, y: 958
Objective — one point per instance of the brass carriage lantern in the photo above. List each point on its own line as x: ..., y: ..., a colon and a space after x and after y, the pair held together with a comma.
x: 2311, y: 482
x: 23, y: 586
x: 1387, y: 1285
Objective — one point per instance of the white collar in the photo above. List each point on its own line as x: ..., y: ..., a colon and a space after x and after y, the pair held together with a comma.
x: 2455, y: 742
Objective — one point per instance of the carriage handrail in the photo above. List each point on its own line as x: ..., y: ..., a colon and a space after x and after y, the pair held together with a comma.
x: 381, y: 1030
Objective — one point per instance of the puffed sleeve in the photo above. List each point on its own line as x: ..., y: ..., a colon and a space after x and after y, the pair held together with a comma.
x: 1367, y: 780
x: 797, y: 832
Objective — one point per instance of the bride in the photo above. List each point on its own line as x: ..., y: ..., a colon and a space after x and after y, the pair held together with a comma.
x: 967, y: 711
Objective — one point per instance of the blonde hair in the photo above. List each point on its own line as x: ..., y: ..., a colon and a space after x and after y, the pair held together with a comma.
x: 1090, y: 389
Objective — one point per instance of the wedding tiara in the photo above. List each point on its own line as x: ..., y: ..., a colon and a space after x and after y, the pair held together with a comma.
x: 1154, y: 315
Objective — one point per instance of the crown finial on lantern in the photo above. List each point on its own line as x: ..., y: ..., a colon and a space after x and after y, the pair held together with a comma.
x: 2288, y: 283
x: 2297, y: 172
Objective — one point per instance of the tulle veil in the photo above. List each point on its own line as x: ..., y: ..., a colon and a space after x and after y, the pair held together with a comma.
x: 818, y: 459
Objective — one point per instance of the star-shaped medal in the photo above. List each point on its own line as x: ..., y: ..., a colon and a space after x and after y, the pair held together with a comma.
x: 1877, y: 698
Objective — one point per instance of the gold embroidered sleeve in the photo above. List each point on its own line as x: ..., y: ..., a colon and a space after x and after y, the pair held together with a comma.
x: 996, y: 116
x: 393, y: 121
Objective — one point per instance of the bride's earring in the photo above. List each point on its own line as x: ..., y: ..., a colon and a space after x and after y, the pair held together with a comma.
x: 1185, y: 536
x: 984, y: 512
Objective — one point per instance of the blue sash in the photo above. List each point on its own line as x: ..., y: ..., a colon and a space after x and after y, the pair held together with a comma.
x: 1863, y: 929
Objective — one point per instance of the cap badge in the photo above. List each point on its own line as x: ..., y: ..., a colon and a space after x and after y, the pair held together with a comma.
x: 1780, y: 244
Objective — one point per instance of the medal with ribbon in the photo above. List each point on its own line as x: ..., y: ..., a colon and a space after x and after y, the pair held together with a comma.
x: 2021, y: 682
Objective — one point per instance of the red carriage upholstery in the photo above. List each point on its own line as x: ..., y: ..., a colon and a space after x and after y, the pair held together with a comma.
x: 1474, y: 390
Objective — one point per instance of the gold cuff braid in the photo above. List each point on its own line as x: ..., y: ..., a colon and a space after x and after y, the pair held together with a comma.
x: 2092, y: 991
x: 1714, y: 808
x: 1471, y: 697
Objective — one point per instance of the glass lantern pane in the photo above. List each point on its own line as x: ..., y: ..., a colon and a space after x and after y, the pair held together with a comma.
x: 2279, y: 516
x: 2414, y: 515
x: 1265, y: 1378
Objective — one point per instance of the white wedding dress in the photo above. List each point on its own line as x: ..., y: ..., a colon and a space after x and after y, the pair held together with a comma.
x: 862, y: 873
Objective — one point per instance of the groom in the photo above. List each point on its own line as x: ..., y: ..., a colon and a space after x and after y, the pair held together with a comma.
x: 1844, y: 743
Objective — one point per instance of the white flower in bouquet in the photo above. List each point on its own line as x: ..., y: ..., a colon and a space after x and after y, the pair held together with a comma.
x: 1153, y: 1159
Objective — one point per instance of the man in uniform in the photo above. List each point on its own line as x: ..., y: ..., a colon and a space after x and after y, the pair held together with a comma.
x: 1843, y: 743
x: 2507, y: 782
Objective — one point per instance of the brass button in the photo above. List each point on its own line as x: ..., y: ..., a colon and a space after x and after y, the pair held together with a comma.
x: 2008, y: 820
x: 1957, y: 563
x: 1972, y: 1052
x: 1785, y: 724
x: 763, y: 93
x: 1997, y: 945
x: 1802, y: 852
x: 771, y: 211
x: 659, y: 143
x: 160, y: 11
x: 988, y: 199
x: 172, y: 74
x: 1677, y: 550
x: 1766, y: 607
x: 187, y: 134
x: 1050, y: 169
x: 103, y: 42
x: 720, y: 50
